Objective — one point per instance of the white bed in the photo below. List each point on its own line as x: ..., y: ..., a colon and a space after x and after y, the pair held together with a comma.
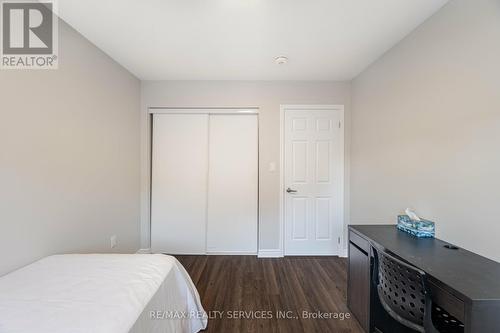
x: 93, y: 293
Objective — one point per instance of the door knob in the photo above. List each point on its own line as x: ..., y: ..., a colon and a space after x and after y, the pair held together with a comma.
x: 289, y: 190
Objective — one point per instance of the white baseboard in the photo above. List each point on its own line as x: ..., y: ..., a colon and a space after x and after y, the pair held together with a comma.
x: 270, y: 254
x: 230, y: 253
x: 261, y: 254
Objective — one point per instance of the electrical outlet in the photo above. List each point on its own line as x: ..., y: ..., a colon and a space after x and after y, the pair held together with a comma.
x: 113, y: 241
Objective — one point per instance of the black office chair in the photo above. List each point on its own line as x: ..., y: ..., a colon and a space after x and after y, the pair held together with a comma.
x: 404, y: 296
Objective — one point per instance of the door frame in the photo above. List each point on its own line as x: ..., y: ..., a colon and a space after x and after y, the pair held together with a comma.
x: 151, y: 111
x: 283, y: 109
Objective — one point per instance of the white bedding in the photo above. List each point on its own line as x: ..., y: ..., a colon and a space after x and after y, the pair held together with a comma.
x: 94, y: 293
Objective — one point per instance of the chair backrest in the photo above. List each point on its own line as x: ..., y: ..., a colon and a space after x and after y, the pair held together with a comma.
x: 401, y: 289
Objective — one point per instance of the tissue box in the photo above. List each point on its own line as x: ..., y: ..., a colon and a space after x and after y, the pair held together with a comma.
x: 421, y: 229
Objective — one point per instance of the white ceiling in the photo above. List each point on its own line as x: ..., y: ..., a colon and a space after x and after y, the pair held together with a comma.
x: 239, y: 39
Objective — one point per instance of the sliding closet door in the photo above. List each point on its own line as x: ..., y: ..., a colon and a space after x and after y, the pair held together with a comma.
x: 179, y: 183
x: 232, y: 184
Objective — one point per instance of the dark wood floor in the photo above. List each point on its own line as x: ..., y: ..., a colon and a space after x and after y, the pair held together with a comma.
x: 263, y: 287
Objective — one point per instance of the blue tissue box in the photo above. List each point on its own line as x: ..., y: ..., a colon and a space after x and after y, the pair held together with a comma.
x: 421, y: 229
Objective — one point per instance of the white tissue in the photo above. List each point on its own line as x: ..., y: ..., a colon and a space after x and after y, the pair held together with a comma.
x: 411, y: 214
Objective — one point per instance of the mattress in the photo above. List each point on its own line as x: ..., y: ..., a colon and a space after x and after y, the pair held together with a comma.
x: 108, y: 293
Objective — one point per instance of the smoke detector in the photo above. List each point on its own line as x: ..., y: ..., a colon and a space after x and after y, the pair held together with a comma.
x: 281, y: 60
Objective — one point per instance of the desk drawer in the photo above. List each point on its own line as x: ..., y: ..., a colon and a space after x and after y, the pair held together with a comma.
x: 447, y: 301
x: 359, y: 241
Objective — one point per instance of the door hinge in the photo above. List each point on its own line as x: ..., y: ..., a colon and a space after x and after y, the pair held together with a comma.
x: 338, y: 240
x: 340, y: 124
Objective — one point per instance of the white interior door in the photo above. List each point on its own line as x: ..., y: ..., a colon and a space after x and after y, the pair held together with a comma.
x: 314, y: 177
x: 233, y: 184
x: 179, y: 183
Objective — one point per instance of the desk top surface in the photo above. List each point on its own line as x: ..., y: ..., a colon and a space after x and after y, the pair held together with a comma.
x: 471, y: 275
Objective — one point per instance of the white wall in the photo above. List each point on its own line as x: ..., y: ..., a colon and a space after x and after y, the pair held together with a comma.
x: 69, y: 156
x: 267, y: 96
x: 426, y: 128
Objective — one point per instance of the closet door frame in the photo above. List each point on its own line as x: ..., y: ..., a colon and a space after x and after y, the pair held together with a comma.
x: 209, y: 111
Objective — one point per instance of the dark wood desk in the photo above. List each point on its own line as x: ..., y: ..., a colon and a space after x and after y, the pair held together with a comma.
x: 463, y: 283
